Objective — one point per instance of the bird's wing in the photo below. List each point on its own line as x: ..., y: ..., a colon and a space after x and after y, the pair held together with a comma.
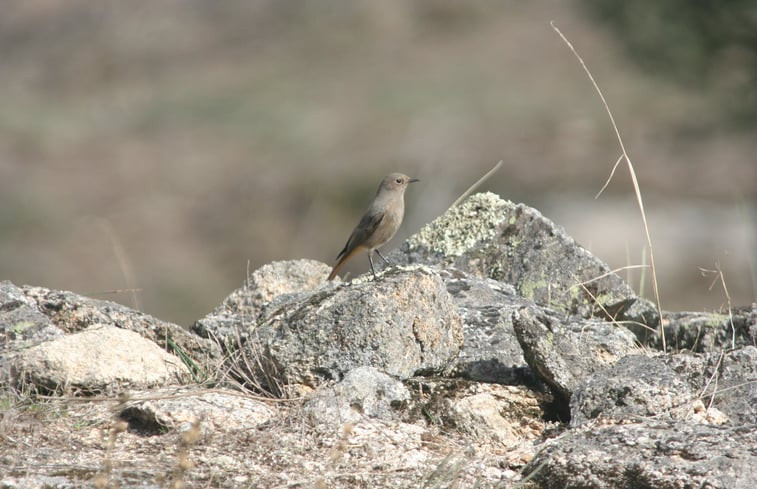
x: 365, y: 228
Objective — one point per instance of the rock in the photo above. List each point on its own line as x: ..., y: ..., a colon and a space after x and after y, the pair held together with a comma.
x: 403, y: 324
x: 217, y: 411
x: 706, y: 332
x: 363, y: 392
x: 33, y: 481
x: 495, y: 414
x: 248, y: 305
x: 432, y: 374
x: 480, y: 416
x: 723, y: 381
x: 566, y: 352
x: 21, y: 322
x: 648, y: 453
x: 676, y: 420
x: 99, y: 359
x: 380, y: 441
x: 22, y: 325
x: 72, y: 312
x: 636, y: 386
x: 491, y: 352
x: 490, y: 237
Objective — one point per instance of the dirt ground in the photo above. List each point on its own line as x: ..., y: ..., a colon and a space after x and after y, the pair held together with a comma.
x: 71, y: 443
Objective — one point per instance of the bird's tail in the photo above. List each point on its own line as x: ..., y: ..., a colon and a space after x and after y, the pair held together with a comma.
x: 341, y: 261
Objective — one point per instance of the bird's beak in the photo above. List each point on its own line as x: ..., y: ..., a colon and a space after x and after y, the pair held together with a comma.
x: 413, y: 180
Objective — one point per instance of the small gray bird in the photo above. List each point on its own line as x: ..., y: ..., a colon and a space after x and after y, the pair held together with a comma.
x: 379, y: 223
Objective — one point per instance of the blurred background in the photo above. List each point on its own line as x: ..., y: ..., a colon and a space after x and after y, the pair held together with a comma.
x: 152, y: 151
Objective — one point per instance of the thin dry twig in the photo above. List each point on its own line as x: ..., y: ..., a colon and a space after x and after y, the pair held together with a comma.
x: 718, y: 272
x: 609, y: 179
x: 635, y: 181
x: 594, y: 279
x: 713, y: 377
x: 720, y: 391
x: 477, y: 184
x: 604, y: 310
x: 122, y: 259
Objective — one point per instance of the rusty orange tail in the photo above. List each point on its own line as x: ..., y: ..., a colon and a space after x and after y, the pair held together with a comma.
x: 343, y: 260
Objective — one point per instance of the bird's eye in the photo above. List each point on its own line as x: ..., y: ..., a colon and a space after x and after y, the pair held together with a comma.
x: 399, y: 180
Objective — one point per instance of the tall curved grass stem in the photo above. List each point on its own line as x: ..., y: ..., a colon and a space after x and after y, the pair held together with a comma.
x: 635, y: 181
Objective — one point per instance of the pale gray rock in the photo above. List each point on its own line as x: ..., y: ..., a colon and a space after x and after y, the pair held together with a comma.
x: 250, y: 304
x: 648, y: 454
x: 566, y: 352
x: 494, y: 414
x: 404, y: 324
x: 35, y: 481
x: 363, y: 392
x: 99, y: 359
x: 71, y: 312
x: 515, y: 244
x: 480, y: 416
x: 216, y: 411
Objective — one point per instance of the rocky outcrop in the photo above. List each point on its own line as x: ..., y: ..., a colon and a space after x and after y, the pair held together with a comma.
x: 490, y: 351
x: 32, y: 315
x: 265, y: 288
x: 659, y: 454
x: 565, y: 351
x: 499, y: 348
x: 404, y: 325
x: 57, y: 340
x: 667, y: 421
x: 513, y: 243
x: 707, y: 332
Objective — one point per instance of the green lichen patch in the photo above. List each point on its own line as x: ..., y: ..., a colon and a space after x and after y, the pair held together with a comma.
x: 458, y: 229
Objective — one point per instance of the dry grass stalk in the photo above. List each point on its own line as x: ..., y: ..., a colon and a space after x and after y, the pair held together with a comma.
x: 637, y: 191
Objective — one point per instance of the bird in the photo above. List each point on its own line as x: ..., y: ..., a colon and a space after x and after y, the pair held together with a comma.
x: 379, y: 223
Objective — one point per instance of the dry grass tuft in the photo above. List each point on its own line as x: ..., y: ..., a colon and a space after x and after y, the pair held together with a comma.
x: 249, y: 373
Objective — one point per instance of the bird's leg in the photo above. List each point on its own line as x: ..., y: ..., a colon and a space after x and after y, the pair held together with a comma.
x: 382, y: 257
x: 370, y: 259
